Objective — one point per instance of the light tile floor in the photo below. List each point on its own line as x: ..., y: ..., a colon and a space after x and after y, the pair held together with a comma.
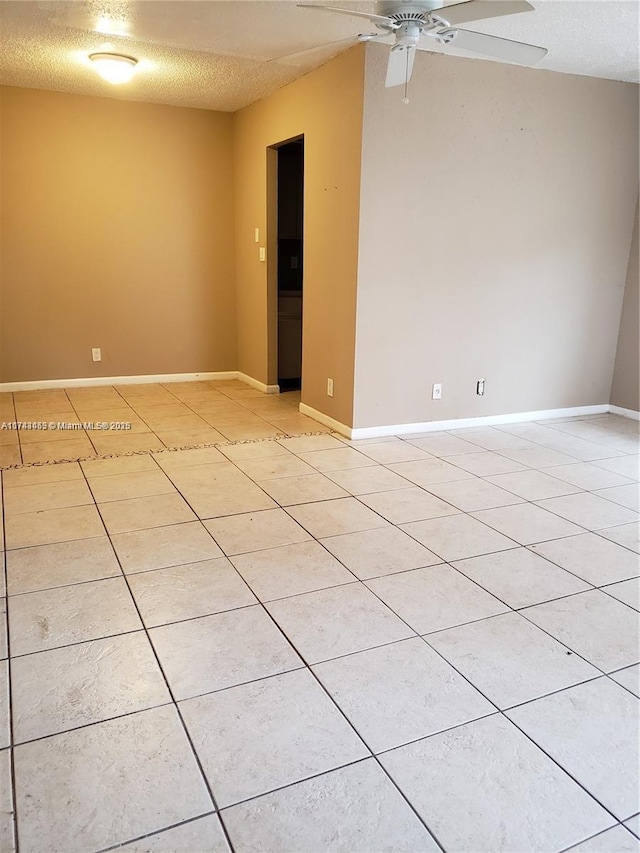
x: 75, y: 423
x: 312, y: 645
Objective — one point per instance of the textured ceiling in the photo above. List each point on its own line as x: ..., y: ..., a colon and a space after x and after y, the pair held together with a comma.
x: 212, y: 53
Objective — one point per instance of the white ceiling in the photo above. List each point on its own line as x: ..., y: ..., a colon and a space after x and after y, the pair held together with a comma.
x: 212, y: 53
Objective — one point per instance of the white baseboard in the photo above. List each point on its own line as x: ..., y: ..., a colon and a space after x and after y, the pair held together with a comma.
x: 325, y: 419
x: 625, y: 413
x: 95, y: 381
x: 464, y: 423
x: 255, y: 383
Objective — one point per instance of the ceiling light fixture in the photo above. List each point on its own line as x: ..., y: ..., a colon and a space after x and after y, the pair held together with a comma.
x: 114, y: 67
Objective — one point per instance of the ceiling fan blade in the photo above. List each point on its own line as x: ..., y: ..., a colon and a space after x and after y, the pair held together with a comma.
x: 499, y: 48
x: 377, y: 19
x: 477, y: 10
x: 400, y: 66
x: 308, y: 50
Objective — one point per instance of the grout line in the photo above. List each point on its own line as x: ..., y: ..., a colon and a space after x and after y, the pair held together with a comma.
x: 138, y: 838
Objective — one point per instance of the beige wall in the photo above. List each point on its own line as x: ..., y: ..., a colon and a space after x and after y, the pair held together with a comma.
x: 494, y: 236
x: 117, y: 233
x: 625, y: 388
x: 325, y: 106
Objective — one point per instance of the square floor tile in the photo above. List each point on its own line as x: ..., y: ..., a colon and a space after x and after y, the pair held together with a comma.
x: 538, y: 457
x: 520, y: 578
x: 435, y: 598
x: 399, y: 693
x: 405, y: 505
x: 485, y: 463
x: 443, y: 444
x: 629, y: 678
x: 473, y: 494
x: 53, y: 525
x: 49, y: 451
x: 532, y: 485
x: 588, y: 476
x: 70, y: 614
x: 290, y: 570
x: 47, y: 566
x: 628, y: 496
x: 255, y: 531
x: 120, y: 465
x: 161, y: 547
x: 123, y: 516
x: 393, y: 451
x: 596, y: 626
x: 485, y: 786
x: 337, y: 459
x: 458, y: 536
x: 120, y: 765
x: 588, y: 730
x: 267, y: 734
x: 510, y: 660
x: 220, y: 651
x: 426, y: 472
x: 589, y: 511
x: 626, y: 591
x: 365, y: 481
x: 41, y: 496
x: 226, y: 496
x: 189, y: 591
x: 138, y: 484
x: 383, y: 551
x: 591, y: 557
x: 527, y: 523
x: 354, y: 808
x: 627, y: 535
x: 204, y: 835
x: 66, y: 688
x: 491, y: 438
x: 297, y: 490
x: 170, y: 461
x: 274, y: 467
x: 332, y: 518
x: 626, y: 466
x: 338, y: 621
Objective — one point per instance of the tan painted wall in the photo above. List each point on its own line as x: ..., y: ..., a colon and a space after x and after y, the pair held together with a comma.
x: 117, y: 232
x: 625, y: 389
x: 325, y: 106
x: 494, y: 238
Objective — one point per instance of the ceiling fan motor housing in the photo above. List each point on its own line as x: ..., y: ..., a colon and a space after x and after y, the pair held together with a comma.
x: 406, y: 12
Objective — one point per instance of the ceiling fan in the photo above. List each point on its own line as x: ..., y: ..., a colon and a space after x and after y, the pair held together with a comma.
x: 408, y: 27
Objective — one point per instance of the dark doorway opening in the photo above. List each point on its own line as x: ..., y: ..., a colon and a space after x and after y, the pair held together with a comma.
x: 290, y: 263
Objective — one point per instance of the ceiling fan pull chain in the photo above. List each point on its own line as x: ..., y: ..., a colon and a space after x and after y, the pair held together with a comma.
x: 405, y: 100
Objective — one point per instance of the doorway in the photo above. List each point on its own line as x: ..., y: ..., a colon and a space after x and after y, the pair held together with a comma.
x: 290, y: 262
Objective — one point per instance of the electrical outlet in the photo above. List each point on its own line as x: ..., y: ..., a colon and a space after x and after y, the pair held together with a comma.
x: 263, y: 253
x: 96, y: 354
x: 480, y: 388
x: 329, y: 387
x: 436, y: 391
